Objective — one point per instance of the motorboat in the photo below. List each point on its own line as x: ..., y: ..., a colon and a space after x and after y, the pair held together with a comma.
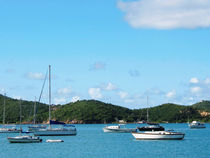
x: 158, y: 135
x: 151, y: 127
x: 197, y: 124
x: 119, y: 129
x: 24, y: 139
x: 54, y: 140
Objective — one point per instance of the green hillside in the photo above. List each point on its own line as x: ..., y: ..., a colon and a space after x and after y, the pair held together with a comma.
x: 92, y: 111
x: 204, y: 105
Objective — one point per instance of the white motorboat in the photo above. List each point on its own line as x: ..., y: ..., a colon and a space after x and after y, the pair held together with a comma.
x: 119, y: 129
x: 54, y: 141
x: 64, y: 130
x: 158, y: 135
x: 197, y: 124
x: 24, y: 139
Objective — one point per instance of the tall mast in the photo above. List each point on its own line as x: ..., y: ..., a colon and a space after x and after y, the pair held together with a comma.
x: 35, y: 111
x: 147, y: 111
x: 20, y: 116
x: 4, y: 109
x: 49, y: 94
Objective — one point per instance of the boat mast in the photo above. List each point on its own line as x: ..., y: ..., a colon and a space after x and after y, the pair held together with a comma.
x: 4, y: 109
x: 20, y: 116
x: 49, y: 95
x: 147, y: 111
x: 35, y: 111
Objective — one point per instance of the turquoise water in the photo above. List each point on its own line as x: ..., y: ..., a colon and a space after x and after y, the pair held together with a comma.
x: 92, y: 142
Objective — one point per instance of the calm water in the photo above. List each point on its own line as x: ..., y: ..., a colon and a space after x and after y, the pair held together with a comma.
x: 92, y: 142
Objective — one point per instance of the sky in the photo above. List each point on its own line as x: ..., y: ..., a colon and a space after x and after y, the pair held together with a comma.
x: 115, y: 51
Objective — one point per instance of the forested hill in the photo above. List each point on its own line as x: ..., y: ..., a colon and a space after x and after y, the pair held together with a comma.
x: 92, y: 111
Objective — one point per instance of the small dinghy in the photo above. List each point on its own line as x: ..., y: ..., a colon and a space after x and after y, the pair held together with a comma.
x: 54, y: 141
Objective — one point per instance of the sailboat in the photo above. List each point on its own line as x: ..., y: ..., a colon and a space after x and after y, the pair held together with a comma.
x: 35, y: 127
x: 64, y: 130
x: 151, y: 126
x: 7, y: 129
x: 23, y: 138
x: 156, y: 132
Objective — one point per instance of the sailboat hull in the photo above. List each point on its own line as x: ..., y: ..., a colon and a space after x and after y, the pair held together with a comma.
x: 162, y: 135
x: 55, y: 132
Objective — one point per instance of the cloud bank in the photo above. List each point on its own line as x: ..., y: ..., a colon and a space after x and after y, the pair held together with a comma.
x: 167, y: 14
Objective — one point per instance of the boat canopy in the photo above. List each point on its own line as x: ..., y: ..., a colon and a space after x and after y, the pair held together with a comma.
x: 56, y: 122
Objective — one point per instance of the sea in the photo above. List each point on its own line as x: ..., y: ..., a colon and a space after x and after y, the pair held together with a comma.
x: 92, y: 142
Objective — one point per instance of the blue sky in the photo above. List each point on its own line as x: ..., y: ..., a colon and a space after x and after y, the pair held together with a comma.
x: 114, y: 51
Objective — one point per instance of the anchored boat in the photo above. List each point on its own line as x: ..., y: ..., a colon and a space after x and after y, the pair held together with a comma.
x: 119, y: 129
x: 197, y: 124
x: 24, y: 139
x: 158, y: 135
x: 64, y: 130
x: 151, y: 127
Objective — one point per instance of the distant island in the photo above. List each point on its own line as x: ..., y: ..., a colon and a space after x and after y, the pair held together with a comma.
x: 93, y: 111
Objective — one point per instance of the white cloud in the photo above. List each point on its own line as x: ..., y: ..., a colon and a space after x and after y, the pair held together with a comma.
x: 35, y: 76
x: 110, y: 86
x: 59, y: 100
x: 207, y: 81
x: 75, y: 98
x: 95, y: 93
x: 129, y: 100
x: 167, y: 14
x: 195, y: 89
x: 2, y: 90
x: 194, y: 80
x: 64, y: 91
x: 98, y: 66
x: 171, y: 94
x: 123, y: 94
x: 16, y: 97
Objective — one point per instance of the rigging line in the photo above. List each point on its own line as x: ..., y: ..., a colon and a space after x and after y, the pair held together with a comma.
x: 43, y: 86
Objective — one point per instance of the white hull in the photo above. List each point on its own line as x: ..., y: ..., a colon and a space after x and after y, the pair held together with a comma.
x: 54, y: 141
x: 197, y: 124
x: 55, y: 132
x: 162, y: 135
x: 120, y: 130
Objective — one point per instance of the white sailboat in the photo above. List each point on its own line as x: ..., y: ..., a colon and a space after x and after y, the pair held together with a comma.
x: 158, y: 135
x: 7, y: 129
x: 65, y: 130
x: 154, y: 131
x: 23, y: 138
